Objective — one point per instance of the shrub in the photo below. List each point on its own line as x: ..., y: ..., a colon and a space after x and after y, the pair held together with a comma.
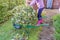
x: 4, y: 12
x: 24, y: 15
x: 56, y: 23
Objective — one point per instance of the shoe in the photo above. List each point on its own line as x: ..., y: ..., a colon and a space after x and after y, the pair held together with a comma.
x: 39, y: 22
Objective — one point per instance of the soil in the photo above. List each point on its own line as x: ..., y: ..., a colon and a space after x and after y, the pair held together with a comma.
x: 47, y: 32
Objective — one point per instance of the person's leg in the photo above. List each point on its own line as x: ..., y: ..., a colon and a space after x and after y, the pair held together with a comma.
x: 39, y: 13
x: 40, y: 16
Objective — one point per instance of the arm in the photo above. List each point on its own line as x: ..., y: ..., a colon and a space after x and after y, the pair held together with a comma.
x: 32, y: 2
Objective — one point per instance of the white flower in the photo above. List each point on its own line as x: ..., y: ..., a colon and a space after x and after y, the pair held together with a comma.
x: 29, y: 14
x: 17, y: 34
x: 18, y: 20
x: 12, y: 39
x: 22, y: 21
x: 12, y: 19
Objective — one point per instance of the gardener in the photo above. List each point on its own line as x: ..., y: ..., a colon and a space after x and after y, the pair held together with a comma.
x: 40, y: 6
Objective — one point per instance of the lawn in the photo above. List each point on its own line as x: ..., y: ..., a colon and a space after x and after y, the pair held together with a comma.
x: 7, y: 32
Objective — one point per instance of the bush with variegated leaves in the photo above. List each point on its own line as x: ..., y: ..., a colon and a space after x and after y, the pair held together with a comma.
x: 24, y: 15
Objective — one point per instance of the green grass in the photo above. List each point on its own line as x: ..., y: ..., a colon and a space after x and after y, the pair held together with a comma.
x: 56, y: 23
x: 7, y: 32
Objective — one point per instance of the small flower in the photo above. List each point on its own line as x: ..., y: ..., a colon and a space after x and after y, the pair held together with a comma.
x: 12, y: 19
x: 12, y: 39
x: 29, y: 14
x: 18, y: 20
x: 22, y: 21
x: 17, y: 34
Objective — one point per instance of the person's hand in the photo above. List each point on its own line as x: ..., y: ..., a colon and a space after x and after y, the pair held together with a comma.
x: 28, y: 2
x: 35, y: 7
